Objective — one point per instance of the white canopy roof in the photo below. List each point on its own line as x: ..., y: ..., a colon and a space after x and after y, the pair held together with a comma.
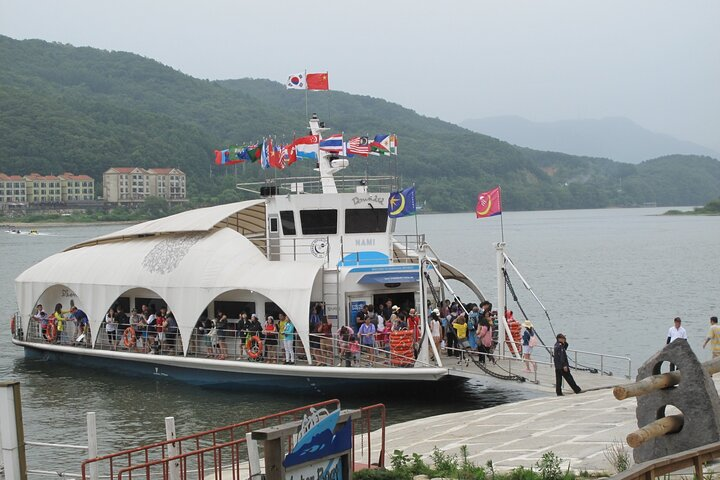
x: 188, y: 270
x: 198, y: 220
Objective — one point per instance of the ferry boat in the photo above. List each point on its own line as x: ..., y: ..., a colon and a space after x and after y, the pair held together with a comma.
x: 322, y: 241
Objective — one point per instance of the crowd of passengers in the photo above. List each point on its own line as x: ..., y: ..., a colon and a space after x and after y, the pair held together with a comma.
x: 455, y: 329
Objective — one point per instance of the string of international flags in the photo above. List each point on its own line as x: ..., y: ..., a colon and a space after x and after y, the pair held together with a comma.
x: 275, y: 155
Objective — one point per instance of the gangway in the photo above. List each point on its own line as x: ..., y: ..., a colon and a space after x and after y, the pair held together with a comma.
x: 591, y: 370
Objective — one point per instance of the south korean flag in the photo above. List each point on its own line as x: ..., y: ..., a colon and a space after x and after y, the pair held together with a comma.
x: 296, y: 82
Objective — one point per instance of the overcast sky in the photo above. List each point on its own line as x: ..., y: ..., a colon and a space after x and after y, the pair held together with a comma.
x: 653, y: 61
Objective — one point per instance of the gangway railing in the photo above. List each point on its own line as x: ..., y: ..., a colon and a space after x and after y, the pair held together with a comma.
x: 513, y: 365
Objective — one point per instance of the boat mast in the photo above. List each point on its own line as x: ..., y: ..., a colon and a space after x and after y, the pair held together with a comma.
x: 328, y: 164
x: 502, y: 324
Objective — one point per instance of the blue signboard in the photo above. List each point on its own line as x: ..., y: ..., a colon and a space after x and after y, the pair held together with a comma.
x: 355, y: 308
x: 389, y: 277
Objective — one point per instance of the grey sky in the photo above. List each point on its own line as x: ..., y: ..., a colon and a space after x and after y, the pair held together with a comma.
x: 655, y: 62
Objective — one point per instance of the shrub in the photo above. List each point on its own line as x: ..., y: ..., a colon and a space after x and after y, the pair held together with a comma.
x: 549, y: 466
x: 618, y: 456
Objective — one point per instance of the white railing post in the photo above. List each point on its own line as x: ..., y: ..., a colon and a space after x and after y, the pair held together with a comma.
x: 253, y: 455
x: 174, y: 466
x: 11, y: 431
x: 92, y: 444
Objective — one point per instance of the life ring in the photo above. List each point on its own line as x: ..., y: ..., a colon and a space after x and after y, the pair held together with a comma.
x: 51, y: 332
x: 254, y: 347
x: 12, y: 325
x: 129, y: 337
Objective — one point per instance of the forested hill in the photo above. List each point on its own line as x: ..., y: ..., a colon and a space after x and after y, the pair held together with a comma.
x: 64, y: 108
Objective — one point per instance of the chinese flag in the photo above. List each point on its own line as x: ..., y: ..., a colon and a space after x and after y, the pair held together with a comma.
x: 489, y: 204
x: 317, y: 81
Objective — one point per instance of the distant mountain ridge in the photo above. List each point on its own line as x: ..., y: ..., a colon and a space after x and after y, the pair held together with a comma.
x: 616, y: 138
x: 83, y: 110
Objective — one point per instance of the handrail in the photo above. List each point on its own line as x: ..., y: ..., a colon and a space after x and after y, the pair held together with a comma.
x: 181, y: 458
x: 145, y: 449
x: 216, y: 464
x: 511, y: 359
x: 366, y: 416
x: 649, y: 470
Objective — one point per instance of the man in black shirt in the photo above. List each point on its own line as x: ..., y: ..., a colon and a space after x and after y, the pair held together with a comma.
x: 562, y: 366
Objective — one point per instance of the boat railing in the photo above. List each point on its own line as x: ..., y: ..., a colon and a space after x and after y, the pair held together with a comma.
x: 406, y: 247
x: 308, y: 248
x: 313, y: 184
x: 324, y: 350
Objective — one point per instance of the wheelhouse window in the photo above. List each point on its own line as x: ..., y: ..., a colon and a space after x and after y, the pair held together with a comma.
x: 287, y: 220
x: 318, y: 222
x: 365, y: 220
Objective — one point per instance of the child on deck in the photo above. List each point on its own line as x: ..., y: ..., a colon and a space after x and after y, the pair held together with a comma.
x: 354, y: 351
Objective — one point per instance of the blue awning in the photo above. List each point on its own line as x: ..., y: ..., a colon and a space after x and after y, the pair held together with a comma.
x: 390, y: 277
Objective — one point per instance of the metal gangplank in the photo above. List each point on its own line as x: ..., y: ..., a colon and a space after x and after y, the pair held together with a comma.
x: 591, y: 371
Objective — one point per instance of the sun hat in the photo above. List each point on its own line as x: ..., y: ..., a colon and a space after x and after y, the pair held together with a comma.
x: 436, y: 311
x: 527, y: 324
x: 395, y: 308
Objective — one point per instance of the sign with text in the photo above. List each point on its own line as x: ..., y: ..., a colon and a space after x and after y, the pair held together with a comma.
x: 327, y: 470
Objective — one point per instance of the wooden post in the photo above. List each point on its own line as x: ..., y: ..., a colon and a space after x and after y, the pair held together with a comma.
x: 658, y: 382
x: 647, y: 385
x: 12, y: 436
x: 274, y: 454
x: 658, y: 428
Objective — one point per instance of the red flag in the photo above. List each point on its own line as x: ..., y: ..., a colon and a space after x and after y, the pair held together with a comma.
x: 274, y: 156
x: 317, y: 81
x: 489, y: 204
x: 307, y: 140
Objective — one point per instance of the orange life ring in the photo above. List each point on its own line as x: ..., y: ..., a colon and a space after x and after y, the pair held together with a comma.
x: 129, y: 337
x: 50, y: 332
x: 12, y: 324
x: 254, y: 347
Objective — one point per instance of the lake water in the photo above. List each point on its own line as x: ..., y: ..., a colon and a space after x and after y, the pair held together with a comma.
x: 612, y: 280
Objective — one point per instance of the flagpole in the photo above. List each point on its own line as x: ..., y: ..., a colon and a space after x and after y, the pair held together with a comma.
x: 306, y: 97
x: 502, y: 227
x: 417, y: 233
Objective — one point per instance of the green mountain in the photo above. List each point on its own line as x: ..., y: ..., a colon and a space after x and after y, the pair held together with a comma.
x: 64, y: 108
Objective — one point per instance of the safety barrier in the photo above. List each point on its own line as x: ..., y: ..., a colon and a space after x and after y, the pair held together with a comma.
x: 226, y: 460
x: 231, y: 435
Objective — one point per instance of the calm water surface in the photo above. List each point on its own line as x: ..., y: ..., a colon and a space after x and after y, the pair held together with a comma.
x: 612, y: 280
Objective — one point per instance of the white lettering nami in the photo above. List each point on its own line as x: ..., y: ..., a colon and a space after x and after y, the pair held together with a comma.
x: 364, y: 242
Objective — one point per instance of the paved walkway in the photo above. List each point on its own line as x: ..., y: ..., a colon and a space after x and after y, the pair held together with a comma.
x: 577, y: 428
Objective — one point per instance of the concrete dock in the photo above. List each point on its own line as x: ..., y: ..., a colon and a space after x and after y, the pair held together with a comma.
x: 577, y: 428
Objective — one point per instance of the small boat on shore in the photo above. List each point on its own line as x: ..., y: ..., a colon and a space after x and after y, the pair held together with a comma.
x: 308, y: 249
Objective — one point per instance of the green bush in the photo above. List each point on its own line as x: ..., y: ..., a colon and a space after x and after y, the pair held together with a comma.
x: 449, y: 466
